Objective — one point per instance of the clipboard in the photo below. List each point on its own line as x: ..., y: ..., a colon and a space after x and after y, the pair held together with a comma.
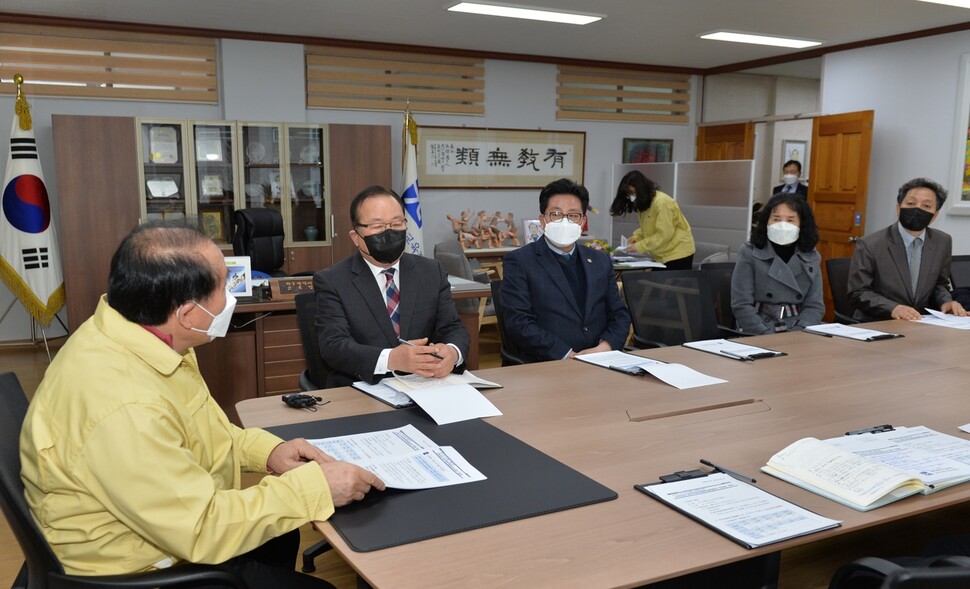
x: 693, y: 482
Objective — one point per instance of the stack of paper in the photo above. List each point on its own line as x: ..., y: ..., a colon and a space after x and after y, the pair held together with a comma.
x: 404, y: 458
x: 676, y: 375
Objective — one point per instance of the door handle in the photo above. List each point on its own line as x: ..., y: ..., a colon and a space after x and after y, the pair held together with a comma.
x: 853, y: 239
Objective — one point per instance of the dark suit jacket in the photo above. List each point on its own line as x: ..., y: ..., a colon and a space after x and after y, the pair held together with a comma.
x: 541, y: 317
x: 352, y: 320
x: 879, y: 274
x: 800, y: 189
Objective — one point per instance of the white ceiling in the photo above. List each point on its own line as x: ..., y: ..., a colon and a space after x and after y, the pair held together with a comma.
x: 654, y: 32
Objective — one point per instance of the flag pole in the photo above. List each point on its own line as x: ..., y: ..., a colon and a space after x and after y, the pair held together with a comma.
x: 37, y: 298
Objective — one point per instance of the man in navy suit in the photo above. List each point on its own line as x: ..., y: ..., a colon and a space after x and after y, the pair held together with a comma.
x: 560, y: 298
x: 373, y: 299
x: 792, y: 172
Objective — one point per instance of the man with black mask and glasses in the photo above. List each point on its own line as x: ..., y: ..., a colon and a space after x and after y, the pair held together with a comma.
x: 902, y: 270
x: 380, y: 309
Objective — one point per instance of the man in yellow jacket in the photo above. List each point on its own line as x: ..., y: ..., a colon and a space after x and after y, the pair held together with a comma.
x: 130, y: 465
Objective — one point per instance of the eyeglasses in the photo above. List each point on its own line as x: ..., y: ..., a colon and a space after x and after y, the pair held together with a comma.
x: 556, y: 216
x: 396, y: 225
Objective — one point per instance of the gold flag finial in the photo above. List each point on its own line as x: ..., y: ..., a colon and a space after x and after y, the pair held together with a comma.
x: 21, y: 107
x: 410, y: 127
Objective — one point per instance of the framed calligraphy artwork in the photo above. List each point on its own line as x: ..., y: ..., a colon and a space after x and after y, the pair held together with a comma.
x: 465, y: 157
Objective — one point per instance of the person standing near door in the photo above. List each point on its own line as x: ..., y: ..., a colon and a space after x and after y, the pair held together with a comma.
x: 791, y: 176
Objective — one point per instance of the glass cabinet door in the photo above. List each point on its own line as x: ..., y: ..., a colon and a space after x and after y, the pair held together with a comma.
x: 309, y: 211
x: 163, y: 156
x: 262, y: 179
x: 214, y: 179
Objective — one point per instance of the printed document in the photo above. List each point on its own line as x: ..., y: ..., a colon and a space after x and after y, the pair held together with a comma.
x: 676, y: 375
x: 740, y: 511
x: 850, y: 331
x: 404, y: 458
x: 732, y: 349
x: 451, y: 403
x: 945, y: 320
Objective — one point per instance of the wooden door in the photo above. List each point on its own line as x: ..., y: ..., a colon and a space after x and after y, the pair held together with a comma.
x: 725, y: 142
x: 839, y: 184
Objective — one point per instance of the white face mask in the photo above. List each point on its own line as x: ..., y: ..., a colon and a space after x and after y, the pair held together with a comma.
x: 631, y: 197
x: 790, y: 179
x: 563, y: 233
x: 783, y: 233
x: 220, y: 323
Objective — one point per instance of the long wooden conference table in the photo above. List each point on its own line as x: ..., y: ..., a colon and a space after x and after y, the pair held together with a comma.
x: 621, y: 430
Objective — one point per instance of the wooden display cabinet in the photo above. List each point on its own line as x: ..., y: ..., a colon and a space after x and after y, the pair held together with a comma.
x: 102, y: 195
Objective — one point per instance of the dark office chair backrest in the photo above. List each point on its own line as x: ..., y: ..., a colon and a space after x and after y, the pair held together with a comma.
x: 960, y: 271
x: 42, y: 570
x: 670, y: 307
x: 719, y: 275
x: 951, y: 572
x: 258, y: 233
x: 508, y: 351
x: 316, y: 371
x: 837, y: 273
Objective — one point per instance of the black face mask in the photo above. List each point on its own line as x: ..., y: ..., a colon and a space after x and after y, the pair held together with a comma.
x: 386, y: 246
x: 914, y: 218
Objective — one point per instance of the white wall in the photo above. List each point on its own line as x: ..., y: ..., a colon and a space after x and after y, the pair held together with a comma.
x: 264, y: 82
x: 912, y: 87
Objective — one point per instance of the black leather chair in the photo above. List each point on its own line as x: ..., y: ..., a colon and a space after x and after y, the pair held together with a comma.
x: 42, y: 570
x: 837, y: 272
x: 258, y: 233
x: 312, y: 378
x: 315, y: 375
x: 719, y: 275
x: 960, y: 271
x: 671, y: 307
x: 508, y: 351
x: 950, y: 572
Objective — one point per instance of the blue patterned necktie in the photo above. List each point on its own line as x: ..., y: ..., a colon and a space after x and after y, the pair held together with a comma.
x: 393, y: 298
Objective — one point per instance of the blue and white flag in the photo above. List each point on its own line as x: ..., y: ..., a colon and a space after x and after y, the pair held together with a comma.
x: 30, y: 260
x: 412, y: 205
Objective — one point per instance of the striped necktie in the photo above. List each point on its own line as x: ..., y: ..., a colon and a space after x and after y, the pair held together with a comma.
x: 393, y: 298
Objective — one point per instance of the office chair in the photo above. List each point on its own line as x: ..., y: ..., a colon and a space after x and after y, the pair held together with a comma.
x: 950, y: 572
x: 960, y: 271
x: 312, y: 378
x: 837, y: 272
x: 258, y: 233
x: 455, y: 263
x: 719, y: 275
x: 669, y: 308
x: 315, y: 375
x: 41, y: 569
x: 508, y: 352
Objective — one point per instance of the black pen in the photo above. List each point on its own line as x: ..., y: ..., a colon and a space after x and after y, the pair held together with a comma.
x: 736, y: 356
x: 407, y: 343
x: 730, y: 473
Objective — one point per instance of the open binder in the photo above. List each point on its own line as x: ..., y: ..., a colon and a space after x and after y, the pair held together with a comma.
x: 754, y: 517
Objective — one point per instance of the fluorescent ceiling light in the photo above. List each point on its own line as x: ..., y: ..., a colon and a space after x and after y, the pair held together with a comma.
x: 570, y: 18
x: 958, y: 3
x: 759, y: 39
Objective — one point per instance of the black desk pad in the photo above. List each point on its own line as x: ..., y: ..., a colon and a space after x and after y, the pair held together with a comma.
x: 522, y: 482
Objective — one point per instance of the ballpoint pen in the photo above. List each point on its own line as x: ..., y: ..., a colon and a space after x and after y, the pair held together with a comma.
x: 730, y: 473
x: 407, y: 343
x: 737, y: 356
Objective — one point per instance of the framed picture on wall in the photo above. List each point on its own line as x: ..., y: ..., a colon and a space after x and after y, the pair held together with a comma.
x: 466, y: 157
x: 647, y: 151
x: 794, y: 149
x: 959, y: 201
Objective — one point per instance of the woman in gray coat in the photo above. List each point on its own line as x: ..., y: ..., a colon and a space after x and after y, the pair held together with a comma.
x: 777, y: 284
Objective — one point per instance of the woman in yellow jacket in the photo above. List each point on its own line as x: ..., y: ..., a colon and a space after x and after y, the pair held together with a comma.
x: 664, y: 233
